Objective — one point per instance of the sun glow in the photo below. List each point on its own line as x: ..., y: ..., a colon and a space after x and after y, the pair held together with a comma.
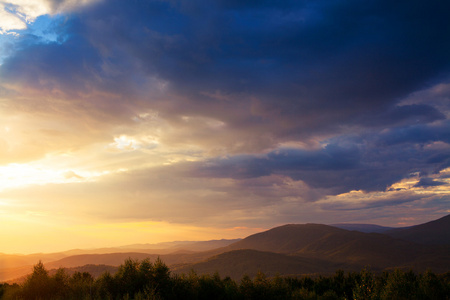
x: 20, y: 175
x: 127, y: 143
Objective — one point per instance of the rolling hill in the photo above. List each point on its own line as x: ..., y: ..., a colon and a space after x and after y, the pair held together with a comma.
x: 436, y: 232
x: 301, y: 248
x: 285, y: 239
x: 183, y: 245
x: 237, y: 263
x: 333, y: 244
x: 286, y: 250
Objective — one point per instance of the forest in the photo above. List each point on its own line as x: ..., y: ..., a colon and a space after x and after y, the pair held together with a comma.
x: 153, y: 280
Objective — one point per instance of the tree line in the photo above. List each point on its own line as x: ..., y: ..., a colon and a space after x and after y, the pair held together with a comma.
x: 144, y: 279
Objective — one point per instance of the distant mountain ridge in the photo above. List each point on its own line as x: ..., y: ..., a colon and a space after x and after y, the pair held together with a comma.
x: 185, y: 245
x: 286, y: 250
x: 158, y: 248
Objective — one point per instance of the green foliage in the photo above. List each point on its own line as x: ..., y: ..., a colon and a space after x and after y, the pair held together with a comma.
x: 105, y: 286
x: 400, y: 285
x: 145, y: 280
x: 9, y: 291
x: 430, y: 287
x: 38, y: 285
x: 80, y: 284
x: 364, y: 286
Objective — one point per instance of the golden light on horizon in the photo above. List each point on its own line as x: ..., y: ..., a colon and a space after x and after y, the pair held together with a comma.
x: 47, y: 233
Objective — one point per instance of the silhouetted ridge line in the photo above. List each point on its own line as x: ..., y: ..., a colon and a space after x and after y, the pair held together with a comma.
x: 435, y: 232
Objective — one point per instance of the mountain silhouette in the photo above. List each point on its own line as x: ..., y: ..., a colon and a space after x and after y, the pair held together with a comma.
x: 436, y: 232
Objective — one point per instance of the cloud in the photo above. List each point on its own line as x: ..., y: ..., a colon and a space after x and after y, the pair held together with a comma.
x: 164, y: 194
x: 385, y: 208
x: 404, y: 115
x: 10, y: 22
x: 72, y: 175
x: 428, y: 182
x: 346, y: 163
x: 420, y: 133
x: 360, y: 201
x: 241, y: 80
x: 16, y: 15
x: 281, y: 64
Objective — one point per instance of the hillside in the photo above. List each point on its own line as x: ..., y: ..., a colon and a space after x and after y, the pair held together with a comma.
x: 111, y: 259
x: 238, y: 263
x: 379, y: 251
x: 170, y: 247
x: 20, y: 260
x: 334, y: 244
x: 322, y: 246
x: 285, y: 239
x: 288, y: 249
x: 436, y: 232
x: 94, y: 270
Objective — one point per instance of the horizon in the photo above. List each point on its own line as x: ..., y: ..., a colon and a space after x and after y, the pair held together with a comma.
x: 195, y: 241
x: 162, y: 121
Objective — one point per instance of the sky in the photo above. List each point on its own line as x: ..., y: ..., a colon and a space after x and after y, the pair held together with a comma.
x: 137, y: 121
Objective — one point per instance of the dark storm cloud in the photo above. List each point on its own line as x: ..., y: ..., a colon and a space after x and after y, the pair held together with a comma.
x: 69, y: 66
x: 343, y: 60
x: 346, y: 163
x: 420, y: 133
x: 331, y: 158
x: 331, y: 167
x: 403, y: 115
x: 427, y: 182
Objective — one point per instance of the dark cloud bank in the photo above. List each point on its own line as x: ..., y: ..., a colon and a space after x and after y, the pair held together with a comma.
x: 319, y: 72
x: 361, y: 162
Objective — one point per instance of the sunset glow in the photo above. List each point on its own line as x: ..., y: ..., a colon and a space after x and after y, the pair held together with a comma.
x: 154, y: 121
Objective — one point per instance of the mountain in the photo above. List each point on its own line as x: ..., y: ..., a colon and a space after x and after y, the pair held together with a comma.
x: 20, y: 260
x: 327, y: 245
x: 94, y: 270
x: 436, y: 232
x: 111, y: 259
x: 159, y: 248
x: 286, y: 250
x: 238, y: 263
x: 367, y: 228
x: 377, y: 250
x: 184, y: 245
x: 285, y: 239
x: 334, y: 244
x: 116, y: 259
x: 13, y: 261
